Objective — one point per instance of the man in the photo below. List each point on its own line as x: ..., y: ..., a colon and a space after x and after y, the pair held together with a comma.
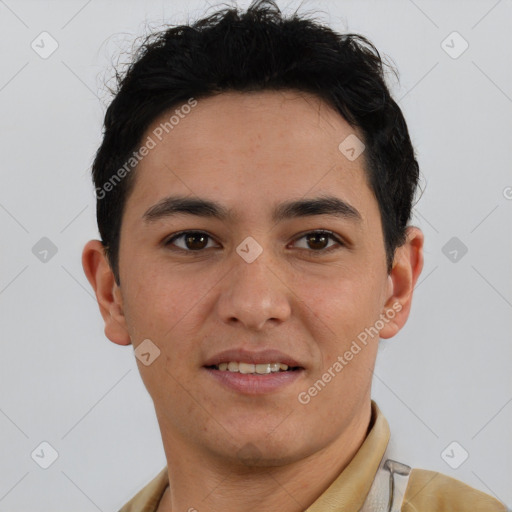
x: 254, y: 188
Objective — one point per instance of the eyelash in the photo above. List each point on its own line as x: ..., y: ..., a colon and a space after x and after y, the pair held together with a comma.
x: 319, y: 252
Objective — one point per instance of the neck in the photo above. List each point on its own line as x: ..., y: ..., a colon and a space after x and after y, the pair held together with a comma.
x: 199, y: 482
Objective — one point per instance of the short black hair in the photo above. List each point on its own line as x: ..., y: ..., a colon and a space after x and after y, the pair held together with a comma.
x: 255, y: 50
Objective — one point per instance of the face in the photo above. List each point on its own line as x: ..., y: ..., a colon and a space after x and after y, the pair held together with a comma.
x: 258, y: 277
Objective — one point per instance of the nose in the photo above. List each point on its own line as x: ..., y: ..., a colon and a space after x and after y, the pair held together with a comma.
x: 254, y: 294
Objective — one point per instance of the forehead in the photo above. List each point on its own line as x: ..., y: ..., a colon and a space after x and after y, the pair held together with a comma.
x: 263, y: 145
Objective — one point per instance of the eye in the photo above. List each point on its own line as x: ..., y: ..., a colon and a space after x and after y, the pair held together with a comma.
x: 316, y: 240
x: 196, y: 241
x: 193, y: 240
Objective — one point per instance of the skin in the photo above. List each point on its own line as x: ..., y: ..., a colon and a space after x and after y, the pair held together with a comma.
x: 226, y: 450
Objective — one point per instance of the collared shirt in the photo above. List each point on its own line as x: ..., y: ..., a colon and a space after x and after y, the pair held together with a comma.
x: 427, y: 491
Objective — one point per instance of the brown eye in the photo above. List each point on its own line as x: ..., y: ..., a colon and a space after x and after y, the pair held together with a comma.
x: 317, y: 241
x: 192, y: 240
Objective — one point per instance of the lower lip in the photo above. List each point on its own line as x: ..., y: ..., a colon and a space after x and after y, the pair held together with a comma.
x: 251, y: 384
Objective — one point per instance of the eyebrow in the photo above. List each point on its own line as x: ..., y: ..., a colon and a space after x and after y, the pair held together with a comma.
x: 323, y: 205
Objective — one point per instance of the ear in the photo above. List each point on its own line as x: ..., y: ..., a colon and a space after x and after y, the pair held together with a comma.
x: 407, y: 267
x: 108, y: 294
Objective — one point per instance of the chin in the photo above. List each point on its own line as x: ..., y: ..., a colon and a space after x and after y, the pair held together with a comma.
x: 262, y: 452
x: 251, y: 456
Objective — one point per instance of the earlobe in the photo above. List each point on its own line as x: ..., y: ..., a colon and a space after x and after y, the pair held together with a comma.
x: 100, y: 276
x: 407, y: 267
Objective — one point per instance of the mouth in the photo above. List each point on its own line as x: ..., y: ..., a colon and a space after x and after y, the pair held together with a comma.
x: 253, y: 373
x: 253, y: 369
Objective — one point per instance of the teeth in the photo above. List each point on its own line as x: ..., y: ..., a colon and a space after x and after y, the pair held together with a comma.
x: 263, y: 368
x: 245, y: 368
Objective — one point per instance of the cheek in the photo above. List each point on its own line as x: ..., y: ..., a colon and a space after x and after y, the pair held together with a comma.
x: 153, y: 303
x: 170, y: 309
x: 345, y: 304
x: 342, y: 310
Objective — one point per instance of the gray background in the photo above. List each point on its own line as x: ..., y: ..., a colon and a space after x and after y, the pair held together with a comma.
x: 446, y: 376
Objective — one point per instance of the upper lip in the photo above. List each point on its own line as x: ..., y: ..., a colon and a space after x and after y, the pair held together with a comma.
x: 249, y: 356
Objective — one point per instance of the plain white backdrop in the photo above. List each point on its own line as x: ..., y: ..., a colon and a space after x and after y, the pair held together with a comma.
x: 445, y: 377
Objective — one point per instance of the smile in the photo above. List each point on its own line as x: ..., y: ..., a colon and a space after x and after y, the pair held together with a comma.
x: 250, y: 368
